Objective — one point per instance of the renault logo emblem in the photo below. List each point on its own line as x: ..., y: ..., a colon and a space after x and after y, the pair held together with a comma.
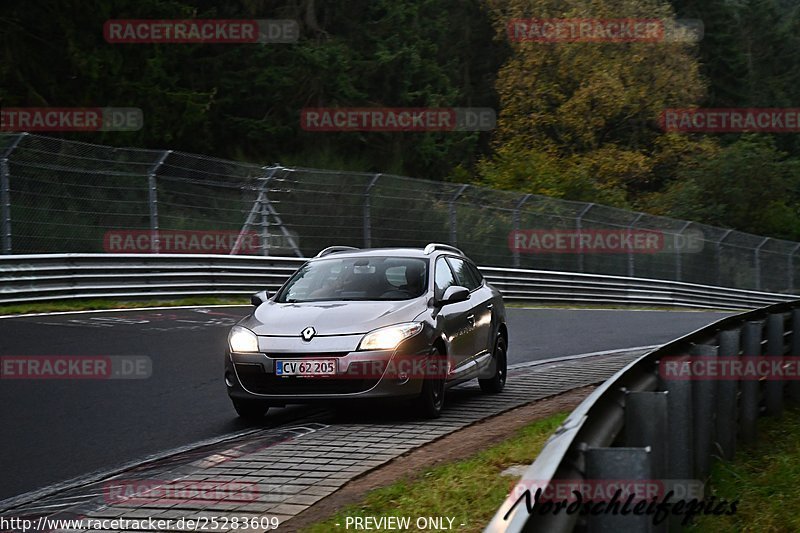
x: 308, y: 333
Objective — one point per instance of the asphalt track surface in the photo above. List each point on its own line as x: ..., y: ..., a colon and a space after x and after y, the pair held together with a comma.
x: 53, y: 430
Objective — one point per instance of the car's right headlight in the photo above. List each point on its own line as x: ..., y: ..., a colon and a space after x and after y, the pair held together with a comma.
x: 242, y: 340
x: 388, y: 338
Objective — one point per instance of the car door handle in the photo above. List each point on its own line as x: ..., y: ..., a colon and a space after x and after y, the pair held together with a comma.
x: 490, y: 307
x: 471, y: 320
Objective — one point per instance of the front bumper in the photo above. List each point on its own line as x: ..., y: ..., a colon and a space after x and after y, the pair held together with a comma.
x: 360, y: 374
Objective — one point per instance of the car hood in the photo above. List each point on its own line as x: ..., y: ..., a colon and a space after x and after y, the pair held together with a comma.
x: 331, y: 318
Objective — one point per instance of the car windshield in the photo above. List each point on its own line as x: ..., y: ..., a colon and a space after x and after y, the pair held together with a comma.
x: 357, y: 279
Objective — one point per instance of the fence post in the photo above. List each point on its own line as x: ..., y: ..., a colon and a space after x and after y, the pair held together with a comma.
x: 155, y: 241
x: 790, y: 283
x: 630, y: 251
x: 5, y: 196
x: 718, y: 246
x: 453, y: 221
x: 265, y: 237
x: 727, y: 400
x: 751, y: 348
x: 578, y: 227
x: 793, y: 387
x: 773, y: 392
x: 678, y: 255
x: 516, y: 227
x: 367, y: 211
x: 757, y: 256
x: 704, y: 402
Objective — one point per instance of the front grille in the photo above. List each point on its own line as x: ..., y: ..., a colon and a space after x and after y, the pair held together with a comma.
x: 256, y: 380
x: 304, y: 355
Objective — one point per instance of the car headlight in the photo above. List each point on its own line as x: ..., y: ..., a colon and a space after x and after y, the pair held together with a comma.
x: 242, y: 340
x: 388, y: 338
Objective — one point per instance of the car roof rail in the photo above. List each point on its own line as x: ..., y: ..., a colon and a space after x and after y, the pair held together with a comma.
x: 335, y: 249
x: 432, y: 247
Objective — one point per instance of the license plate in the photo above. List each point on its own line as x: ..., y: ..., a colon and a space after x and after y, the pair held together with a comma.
x: 306, y: 367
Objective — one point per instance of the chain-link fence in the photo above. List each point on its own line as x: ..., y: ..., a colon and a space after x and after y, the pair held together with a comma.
x: 66, y: 196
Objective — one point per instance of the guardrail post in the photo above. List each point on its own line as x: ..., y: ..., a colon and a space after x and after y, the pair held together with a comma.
x: 367, y: 211
x: 748, y: 417
x: 773, y: 392
x: 155, y: 240
x: 515, y: 225
x: 703, y: 399
x: 5, y: 195
x: 453, y: 221
x: 680, y: 446
x: 727, y: 400
x: 793, y: 387
x: 614, y: 464
x: 647, y: 424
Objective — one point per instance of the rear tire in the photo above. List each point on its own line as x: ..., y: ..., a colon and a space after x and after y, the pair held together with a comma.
x: 495, y: 384
x: 430, y: 402
x: 251, y: 410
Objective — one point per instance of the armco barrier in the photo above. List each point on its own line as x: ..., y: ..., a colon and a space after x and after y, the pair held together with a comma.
x: 644, y: 425
x: 47, y: 277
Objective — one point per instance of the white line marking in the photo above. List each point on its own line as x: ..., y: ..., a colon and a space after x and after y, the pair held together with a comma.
x: 44, y: 492
x: 582, y: 356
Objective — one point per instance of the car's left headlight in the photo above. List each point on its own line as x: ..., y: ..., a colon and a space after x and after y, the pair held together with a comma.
x: 388, y: 338
x: 242, y: 340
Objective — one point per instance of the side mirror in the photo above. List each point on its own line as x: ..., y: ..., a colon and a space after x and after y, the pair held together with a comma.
x: 259, y: 298
x: 454, y: 294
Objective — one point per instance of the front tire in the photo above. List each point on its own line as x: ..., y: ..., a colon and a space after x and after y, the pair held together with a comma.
x: 431, y: 398
x: 497, y: 382
x: 250, y: 410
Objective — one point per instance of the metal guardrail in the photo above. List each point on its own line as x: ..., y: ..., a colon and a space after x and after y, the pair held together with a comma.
x: 638, y: 425
x: 47, y: 277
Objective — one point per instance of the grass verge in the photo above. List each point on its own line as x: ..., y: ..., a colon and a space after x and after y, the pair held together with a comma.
x: 765, y: 480
x: 98, y: 304
x: 469, y: 490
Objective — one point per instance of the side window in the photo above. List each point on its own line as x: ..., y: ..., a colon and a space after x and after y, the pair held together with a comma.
x: 465, y: 276
x: 476, y: 273
x: 443, y: 277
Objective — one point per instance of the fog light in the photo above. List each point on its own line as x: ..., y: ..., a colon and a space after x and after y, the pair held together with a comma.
x: 228, y: 379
